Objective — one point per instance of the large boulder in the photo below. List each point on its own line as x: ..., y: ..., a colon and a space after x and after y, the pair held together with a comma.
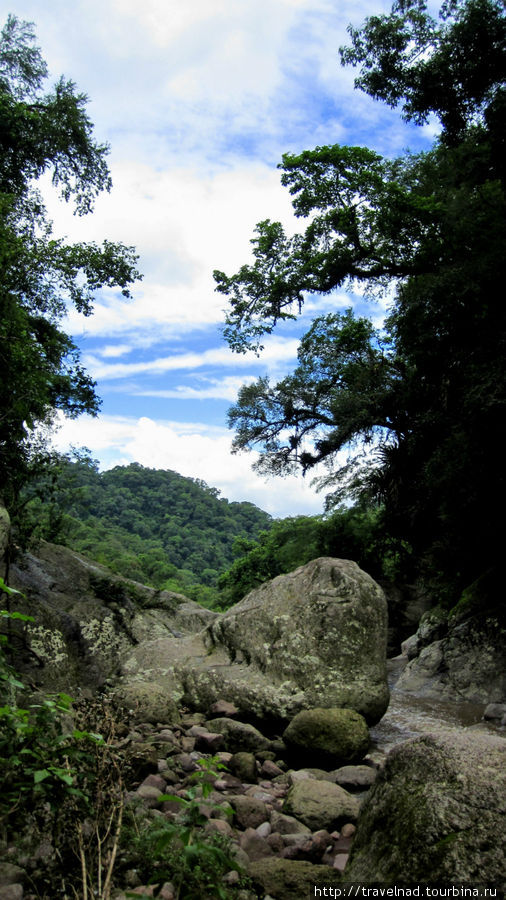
x: 88, y: 619
x: 330, y: 737
x: 315, y: 637
x: 437, y: 813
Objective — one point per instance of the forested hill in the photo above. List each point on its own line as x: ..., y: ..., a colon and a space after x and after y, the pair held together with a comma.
x: 151, y: 525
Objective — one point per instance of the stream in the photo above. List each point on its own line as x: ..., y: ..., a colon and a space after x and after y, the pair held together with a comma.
x: 410, y: 715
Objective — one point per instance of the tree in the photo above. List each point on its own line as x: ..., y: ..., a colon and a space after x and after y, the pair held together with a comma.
x: 424, y: 401
x: 42, y: 276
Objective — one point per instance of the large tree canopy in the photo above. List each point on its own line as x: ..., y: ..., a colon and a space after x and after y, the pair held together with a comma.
x: 42, y: 276
x: 426, y: 398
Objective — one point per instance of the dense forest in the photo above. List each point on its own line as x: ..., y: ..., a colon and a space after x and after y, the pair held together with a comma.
x: 150, y: 525
x: 177, y: 533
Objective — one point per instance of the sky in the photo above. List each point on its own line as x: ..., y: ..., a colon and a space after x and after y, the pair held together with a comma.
x: 198, y: 100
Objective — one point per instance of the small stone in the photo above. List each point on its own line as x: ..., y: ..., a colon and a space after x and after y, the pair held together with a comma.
x: 249, y: 812
x: 167, y: 892
x: 355, y: 777
x: 149, y: 795
x: 11, y: 892
x: 340, y: 861
x: 224, y: 757
x: 155, y: 781
x: 298, y: 839
x: 186, y: 763
x: 275, y: 841
x: 218, y: 826
x: 494, y: 711
x: 187, y: 744
x: 223, y: 708
x: 269, y: 769
x: 209, y: 742
x: 232, y: 877
x: 243, y: 766
x: 254, y: 846
x: 348, y: 830
x: 264, y: 829
x: 11, y: 874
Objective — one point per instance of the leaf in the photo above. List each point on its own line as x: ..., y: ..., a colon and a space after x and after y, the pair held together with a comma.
x: 41, y: 775
x: 172, y: 797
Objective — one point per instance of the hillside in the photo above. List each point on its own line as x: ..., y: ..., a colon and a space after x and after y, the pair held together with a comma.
x: 151, y: 525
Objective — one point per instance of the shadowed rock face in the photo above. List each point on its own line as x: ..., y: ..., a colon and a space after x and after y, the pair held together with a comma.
x: 437, y: 813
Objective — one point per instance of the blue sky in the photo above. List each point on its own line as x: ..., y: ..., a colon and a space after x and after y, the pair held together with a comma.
x: 198, y: 100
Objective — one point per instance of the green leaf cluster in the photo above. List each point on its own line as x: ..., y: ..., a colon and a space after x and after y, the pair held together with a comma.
x: 179, y: 851
x: 44, y: 131
x: 356, y: 533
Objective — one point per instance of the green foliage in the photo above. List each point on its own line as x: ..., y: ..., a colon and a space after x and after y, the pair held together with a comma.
x: 148, y: 525
x: 410, y: 418
x: 355, y: 533
x: 43, y: 759
x: 44, y: 131
x: 179, y: 852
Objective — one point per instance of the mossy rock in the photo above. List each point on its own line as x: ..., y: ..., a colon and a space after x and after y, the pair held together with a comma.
x: 333, y: 737
x: 290, y: 879
x: 436, y: 814
x: 146, y: 702
x: 319, y: 804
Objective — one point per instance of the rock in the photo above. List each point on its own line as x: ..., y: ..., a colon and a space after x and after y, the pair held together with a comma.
x: 220, y: 826
x: 409, y: 647
x: 88, y: 619
x: 149, y: 795
x: 347, y: 831
x: 249, y: 812
x: 142, y: 760
x: 355, y: 777
x: 437, y: 813
x: 5, y: 530
x: 269, y: 769
x: 255, y: 846
x: 239, y: 736
x: 460, y: 655
x: 11, y: 892
x: 319, y: 804
x: 146, y: 702
x: 155, y: 781
x: 287, y: 879
x: 10, y: 873
x: 315, y: 636
x: 294, y: 775
x: 222, y: 708
x: 284, y: 824
x: 209, y: 742
x: 264, y: 829
x: 328, y: 736
x: 243, y: 766
x: 494, y: 711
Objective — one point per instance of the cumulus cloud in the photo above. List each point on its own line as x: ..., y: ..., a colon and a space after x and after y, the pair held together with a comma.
x: 193, y: 449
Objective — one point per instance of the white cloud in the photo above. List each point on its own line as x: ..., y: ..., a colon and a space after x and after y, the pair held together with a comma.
x: 276, y: 350
x: 209, y: 389
x: 192, y: 449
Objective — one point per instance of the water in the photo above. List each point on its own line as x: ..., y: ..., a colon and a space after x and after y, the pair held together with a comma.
x: 409, y: 715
